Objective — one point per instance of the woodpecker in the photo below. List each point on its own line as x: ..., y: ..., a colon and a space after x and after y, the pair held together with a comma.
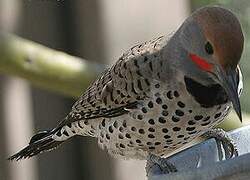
x: 161, y: 94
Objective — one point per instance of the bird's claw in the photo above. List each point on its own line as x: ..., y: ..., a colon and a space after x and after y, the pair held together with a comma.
x: 156, y: 163
x: 222, y: 139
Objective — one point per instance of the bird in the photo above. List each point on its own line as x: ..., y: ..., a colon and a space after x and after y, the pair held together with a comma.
x: 160, y: 94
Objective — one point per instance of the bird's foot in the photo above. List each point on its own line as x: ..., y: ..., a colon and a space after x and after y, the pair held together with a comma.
x: 156, y: 164
x: 222, y: 139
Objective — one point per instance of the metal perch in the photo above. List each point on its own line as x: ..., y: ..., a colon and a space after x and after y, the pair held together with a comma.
x: 202, y: 161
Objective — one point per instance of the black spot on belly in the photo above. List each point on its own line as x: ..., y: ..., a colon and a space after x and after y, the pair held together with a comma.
x: 176, y: 129
x: 162, y: 120
x: 164, y: 113
x: 191, y: 122
x: 151, y: 129
x: 158, y: 101
x: 175, y: 119
x: 128, y: 136
x: 180, y: 136
x: 141, y: 131
x: 115, y: 124
x: 133, y: 128
x: 111, y: 129
x: 144, y: 110
x: 164, y: 106
x: 190, y: 128
x: 167, y: 136
x: 120, y: 136
x: 198, y: 117
x: 151, y: 136
x: 179, y: 112
x: 206, y: 96
x: 138, y: 141
x: 151, y: 121
x: 157, y: 143
x: 122, y: 145
x: 181, y: 104
x: 149, y: 143
x: 150, y: 104
x: 165, y: 130
x: 140, y: 117
x: 107, y: 137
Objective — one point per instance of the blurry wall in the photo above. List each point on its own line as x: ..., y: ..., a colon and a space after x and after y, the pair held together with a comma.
x: 98, y: 30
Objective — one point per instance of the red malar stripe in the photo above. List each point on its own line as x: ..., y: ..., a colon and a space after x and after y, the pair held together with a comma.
x: 202, y: 63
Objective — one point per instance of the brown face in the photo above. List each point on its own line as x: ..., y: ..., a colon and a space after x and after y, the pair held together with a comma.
x: 223, y: 31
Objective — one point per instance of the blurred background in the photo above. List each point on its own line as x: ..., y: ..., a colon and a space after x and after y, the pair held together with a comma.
x: 97, y: 30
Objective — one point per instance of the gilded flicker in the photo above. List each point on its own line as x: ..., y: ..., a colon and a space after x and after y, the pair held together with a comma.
x: 160, y: 94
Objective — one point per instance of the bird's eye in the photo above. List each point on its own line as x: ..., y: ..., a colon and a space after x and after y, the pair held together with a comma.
x: 209, y: 48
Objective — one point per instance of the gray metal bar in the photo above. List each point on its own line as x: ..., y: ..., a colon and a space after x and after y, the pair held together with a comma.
x: 202, y: 161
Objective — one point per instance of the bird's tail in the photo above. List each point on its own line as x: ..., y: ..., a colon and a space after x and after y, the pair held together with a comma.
x: 39, y: 143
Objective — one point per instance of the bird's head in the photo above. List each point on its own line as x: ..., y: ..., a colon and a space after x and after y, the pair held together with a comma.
x: 212, y: 41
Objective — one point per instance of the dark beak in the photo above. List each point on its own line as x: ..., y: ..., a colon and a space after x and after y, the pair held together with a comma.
x: 228, y: 79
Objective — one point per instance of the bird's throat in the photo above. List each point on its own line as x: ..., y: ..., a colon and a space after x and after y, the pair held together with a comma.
x: 206, y: 96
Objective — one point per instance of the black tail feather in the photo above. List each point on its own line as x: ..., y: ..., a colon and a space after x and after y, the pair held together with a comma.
x: 41, y: 142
